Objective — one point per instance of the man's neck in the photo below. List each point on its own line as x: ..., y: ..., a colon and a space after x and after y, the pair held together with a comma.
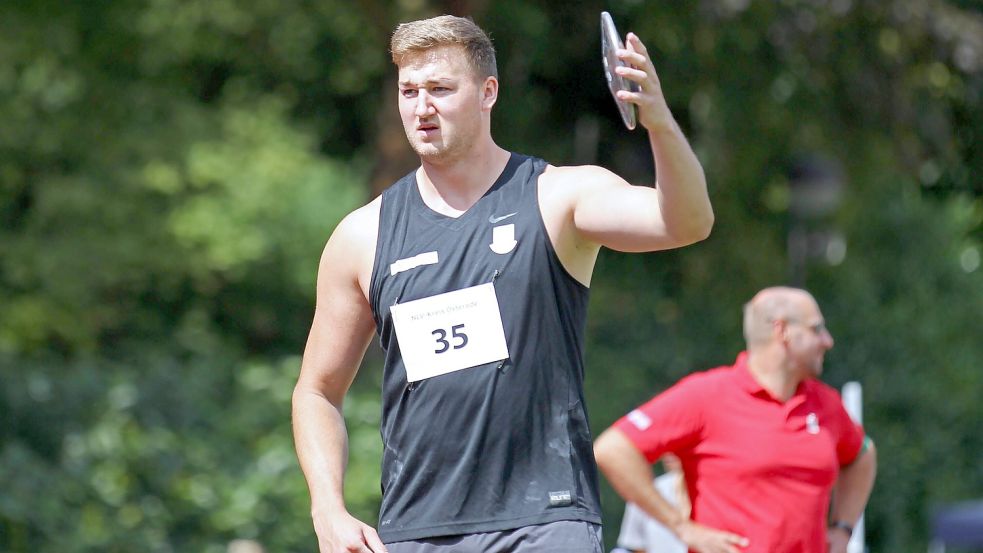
x: 767, y: 367
x: 452, y: 187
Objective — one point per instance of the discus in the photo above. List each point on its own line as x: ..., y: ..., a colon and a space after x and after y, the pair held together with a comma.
x: 610, y: 43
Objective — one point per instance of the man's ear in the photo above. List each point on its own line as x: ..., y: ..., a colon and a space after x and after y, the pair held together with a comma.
x: 779, y: 330
x: 489, y: 93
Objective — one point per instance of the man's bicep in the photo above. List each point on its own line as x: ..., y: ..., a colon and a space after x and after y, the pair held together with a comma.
x: 337, y: 342
x: 609, y: 211
x: 342, y: 328
x: 624, y: 218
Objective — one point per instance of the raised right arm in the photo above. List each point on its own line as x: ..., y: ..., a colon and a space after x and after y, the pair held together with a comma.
x: 340, y: 333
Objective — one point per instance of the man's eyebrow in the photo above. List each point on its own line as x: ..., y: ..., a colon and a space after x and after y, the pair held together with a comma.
x: 437, y: 80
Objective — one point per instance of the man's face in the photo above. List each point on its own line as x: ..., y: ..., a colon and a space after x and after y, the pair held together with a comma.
x: 808, y: 340
x: 441, y: 103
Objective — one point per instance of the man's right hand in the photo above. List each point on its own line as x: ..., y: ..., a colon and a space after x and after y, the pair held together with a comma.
x: 343, y: 533
x: 708, y: 540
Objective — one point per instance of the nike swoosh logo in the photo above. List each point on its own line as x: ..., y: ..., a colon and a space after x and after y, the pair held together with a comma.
x: 494, y: 219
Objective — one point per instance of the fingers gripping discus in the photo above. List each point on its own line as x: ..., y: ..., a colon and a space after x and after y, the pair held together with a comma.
x: 610, y: 43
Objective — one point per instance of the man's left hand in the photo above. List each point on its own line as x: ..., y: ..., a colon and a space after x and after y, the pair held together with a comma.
x: 653, y: 112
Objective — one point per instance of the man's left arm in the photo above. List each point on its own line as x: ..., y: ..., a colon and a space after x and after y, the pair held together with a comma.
x: 850, y: 494
x: 674, y: 213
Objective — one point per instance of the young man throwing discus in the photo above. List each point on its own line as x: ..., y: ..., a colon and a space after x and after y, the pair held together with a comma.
x: 474, y: 272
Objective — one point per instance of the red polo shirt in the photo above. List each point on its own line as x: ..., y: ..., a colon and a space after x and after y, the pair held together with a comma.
x: 754, y: 466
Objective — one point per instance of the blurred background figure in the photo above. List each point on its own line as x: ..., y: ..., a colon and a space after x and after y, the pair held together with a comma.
x: 640, y: 533
x: 768, y: 451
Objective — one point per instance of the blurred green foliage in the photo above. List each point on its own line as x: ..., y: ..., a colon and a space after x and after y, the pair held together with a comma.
x: 170, y: 169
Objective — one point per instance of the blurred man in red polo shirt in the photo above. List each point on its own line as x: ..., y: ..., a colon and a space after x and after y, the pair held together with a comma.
x: 764, y: 445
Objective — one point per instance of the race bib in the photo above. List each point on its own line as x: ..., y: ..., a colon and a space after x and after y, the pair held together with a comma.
x: 449, y: 332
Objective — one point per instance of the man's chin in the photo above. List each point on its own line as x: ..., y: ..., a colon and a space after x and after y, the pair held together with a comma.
x: 437, y: 156
x: 427, y: 151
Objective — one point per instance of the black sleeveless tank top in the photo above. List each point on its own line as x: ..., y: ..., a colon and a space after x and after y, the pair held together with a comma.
x: 496, y: 446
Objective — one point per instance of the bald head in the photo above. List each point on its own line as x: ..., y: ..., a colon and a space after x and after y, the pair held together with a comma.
x: 770, y: 305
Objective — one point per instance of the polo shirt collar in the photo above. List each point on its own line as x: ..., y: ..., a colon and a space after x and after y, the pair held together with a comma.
x: 743, y: 375
x: 747, y: 382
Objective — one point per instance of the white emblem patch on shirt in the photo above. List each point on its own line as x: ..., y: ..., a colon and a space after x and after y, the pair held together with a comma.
x: 503, y: 239
x: 639, y: 419
x: 400, y: 265
x: 812, y: 423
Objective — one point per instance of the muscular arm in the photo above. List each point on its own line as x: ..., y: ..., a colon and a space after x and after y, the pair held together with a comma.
x: 631, y: 476
x: 677, y: 211
x: 587, y: 207
x: 340, y: 333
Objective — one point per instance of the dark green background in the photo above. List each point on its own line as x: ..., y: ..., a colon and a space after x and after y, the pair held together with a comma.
x: 170, y: 169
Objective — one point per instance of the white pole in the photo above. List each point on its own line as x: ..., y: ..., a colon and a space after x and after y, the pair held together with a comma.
x: 853, y: 402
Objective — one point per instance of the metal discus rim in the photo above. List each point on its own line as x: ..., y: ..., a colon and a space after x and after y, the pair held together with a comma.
x: 610, y: 43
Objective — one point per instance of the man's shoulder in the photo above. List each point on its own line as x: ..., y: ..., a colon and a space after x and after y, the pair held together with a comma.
x: 356, y: 234
x: 566, y: 186
x: 578, y: 175
x: 361, y: 223
x: 709, y: 377
x: 350, y: 251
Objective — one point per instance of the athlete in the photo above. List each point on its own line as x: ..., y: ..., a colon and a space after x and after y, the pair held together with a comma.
x: 474, y: 270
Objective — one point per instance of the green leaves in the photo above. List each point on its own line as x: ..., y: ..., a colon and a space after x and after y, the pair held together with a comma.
x: 257, y: 187
x: 170, y: 170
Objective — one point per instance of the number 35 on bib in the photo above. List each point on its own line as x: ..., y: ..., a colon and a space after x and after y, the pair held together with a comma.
x: 449, y: 332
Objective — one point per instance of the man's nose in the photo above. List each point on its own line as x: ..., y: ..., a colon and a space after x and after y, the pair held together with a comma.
x: 827, y: 339
x: 423, y: 105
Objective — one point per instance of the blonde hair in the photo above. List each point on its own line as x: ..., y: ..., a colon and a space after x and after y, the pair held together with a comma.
x: 446, y: 30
